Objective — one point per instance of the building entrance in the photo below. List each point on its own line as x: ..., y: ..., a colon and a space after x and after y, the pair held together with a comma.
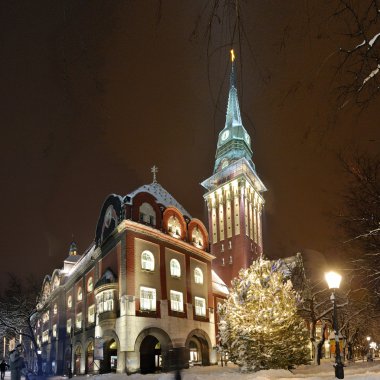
x: 150, y: 355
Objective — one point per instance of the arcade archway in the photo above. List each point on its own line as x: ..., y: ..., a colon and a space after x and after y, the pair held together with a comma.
x: 198, y: 345
x: 90, y: 357
x: 153, y: 346
x: 109, y: 362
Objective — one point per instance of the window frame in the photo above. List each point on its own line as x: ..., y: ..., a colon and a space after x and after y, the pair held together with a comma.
x: 148, y: 304
x: 90, y: 281
x: 145, y: 262
x: 197, y: 307
x: 198, y: 278
x: 175, y: 268
x: 176, y: 304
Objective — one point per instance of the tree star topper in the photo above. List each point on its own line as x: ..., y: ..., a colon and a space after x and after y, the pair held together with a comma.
x: 154, y: 170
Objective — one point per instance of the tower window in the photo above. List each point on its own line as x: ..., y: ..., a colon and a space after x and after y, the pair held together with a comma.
x: 222, y: 248
x: 230, y: 262
x: 222, y: 261
x: 230, y: 244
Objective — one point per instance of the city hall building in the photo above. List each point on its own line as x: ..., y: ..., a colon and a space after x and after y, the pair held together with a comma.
x: 144, y: 296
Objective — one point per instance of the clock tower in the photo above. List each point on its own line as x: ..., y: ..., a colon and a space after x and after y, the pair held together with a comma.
x: 234, y: 195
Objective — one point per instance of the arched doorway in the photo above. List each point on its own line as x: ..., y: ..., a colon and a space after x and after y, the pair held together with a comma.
x: 150, y: 355
x: 77, y: 359
x: 195, y: 352
x: 90, y: 358
x: 109, y: 362
x: 198, y: 344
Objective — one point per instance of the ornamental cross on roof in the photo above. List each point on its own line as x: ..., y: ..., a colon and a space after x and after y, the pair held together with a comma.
x: 154, y: 170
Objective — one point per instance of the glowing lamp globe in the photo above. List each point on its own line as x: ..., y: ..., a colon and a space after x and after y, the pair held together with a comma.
x: 333, y: 280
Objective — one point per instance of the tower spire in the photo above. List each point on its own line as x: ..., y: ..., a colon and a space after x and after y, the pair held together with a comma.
x: 233, y: 117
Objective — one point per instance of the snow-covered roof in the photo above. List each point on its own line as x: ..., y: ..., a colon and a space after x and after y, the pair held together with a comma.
x: 163, y: 197
x: 218, y: 285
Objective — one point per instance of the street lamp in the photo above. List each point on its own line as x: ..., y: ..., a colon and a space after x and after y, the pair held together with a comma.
x: 333, y: 280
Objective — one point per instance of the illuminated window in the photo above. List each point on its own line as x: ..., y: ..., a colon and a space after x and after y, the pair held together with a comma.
x: 55, y: 282
x: 176, y: 300
x: 147, y: 214
x: 147, y: 298
x: 197, y: 237
x: 45, y: 336
x: 55, y: 309
x: 78, y: 321
x: 105, y: 301
x: 54, y: 330
x: 175, y: 268
x: 147, y: 260
x: 45, y: 317
x: 79, y: 294
x: 198, y: 276
x: 69, y: 302
x: 174, y: 227
x: 68, y: 326
x: 91, y: 314
x: 200, y: 306
x: 90, y: 285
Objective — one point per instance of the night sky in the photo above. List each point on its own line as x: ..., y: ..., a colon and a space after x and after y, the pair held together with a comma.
x: 93, y: 94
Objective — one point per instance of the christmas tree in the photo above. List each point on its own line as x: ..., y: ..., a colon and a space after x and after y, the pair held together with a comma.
x: 259, y: 325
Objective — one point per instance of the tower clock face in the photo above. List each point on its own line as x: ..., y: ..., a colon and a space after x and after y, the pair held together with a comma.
x: 225, y: 135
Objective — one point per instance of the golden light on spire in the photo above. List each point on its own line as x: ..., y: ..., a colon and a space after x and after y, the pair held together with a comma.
x: 232, y: 55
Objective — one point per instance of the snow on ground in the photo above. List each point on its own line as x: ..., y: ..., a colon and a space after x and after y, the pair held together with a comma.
x: 356, y: 371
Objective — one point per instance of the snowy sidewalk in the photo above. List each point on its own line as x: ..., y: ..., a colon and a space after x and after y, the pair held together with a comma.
x: 354, y: 371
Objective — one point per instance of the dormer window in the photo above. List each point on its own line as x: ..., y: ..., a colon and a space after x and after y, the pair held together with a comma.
x: 174, y: 227
x: 147, y: 261
x: 197, y: 237
x: 175, y: 268
x: 147, y: 214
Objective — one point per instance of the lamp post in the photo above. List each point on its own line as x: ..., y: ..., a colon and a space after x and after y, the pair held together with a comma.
x: 333, y: 281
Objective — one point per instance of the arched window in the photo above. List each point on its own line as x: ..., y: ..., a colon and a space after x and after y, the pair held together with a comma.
x: 174, y: 226
x: 69, y: 302
x: 90, y: 285
x: 147, y: 214
x: 197, y: 237
x: 175, y: 268
x: 147, y: 260
x: 198, y: 276
x: 79, y: 294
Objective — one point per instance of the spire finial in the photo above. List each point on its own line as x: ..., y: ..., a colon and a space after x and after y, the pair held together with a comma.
x: 154, y: 170
x: 232, y: 55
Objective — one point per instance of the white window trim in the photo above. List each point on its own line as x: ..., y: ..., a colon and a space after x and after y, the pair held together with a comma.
x: 147, y: 303
x: 198, y: 275
x: 176, y: 301
x: 175, y: 268
x: 147, y: 264
x: 200, y: 310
